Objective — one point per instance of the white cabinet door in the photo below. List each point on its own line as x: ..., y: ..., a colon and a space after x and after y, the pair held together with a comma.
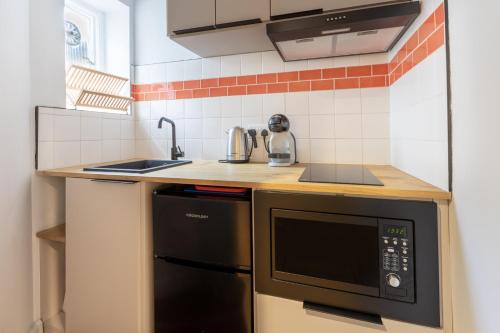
x: 103, y: 293
x: 282, y: 7
x: 189, y: 14
x: 230, y: 11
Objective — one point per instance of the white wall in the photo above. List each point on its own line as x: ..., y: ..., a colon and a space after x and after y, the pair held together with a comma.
x: 475, y: 50
x: 47, y: 53
x: 16, y: 162
x: 151, y: 42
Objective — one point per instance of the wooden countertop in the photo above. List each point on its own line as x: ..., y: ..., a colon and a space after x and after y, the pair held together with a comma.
x: 397, y: 184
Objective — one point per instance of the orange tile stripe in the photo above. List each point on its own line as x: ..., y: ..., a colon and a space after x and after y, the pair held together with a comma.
x: 427, y: 39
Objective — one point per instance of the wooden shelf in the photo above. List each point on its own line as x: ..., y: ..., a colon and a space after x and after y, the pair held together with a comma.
x: 55, y: 234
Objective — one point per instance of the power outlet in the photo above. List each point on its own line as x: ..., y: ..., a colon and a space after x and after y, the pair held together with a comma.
x: 257, y: 127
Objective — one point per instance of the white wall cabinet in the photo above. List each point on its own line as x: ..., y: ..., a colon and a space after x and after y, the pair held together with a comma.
x: 189, y: 14
x: 282, y: 7
x: 103, y: 257
x: 229, y: 11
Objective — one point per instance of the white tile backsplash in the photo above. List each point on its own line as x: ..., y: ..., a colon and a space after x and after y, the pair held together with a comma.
x: 142, y: 110
x: 348, y: 126
x: 192, y: 69
x: 299, y: 65
x: 376, y: 126
x: 251, y: 63
x: 83, y: 137
x: 158, y: 109
x: 45, y: 155
x: 375, y: 100
x: 66, y: 153
x: 175, y: 71
x: 111, y: 150
x: 193, y: 149
x: 272, y: 62
x: 322, y: 151
x: 348, y: 101
x: 418, y: 121
x: 67, y: 128
x: 91, y: 152
x: 252, y: 106
x: 194, y: 128
x: 46, y: 127
x: 210, y: 67
x: 321, y: 102
x: 349, y: 151
x: 211, y: 107
x: 231, y: 106
x: 272, y: 104
x: 297, y: 103
x: 230, y: 65
x: 321, y: 127
x: 158, y: 73
x: 193, y: 108
x: 175, y: 109
x: 212, y: 128
x: 91, y: 128
x: 111, y: 129
x: 127, y: 130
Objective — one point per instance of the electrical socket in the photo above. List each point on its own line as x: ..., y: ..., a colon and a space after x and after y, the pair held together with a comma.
x: 257, y: 127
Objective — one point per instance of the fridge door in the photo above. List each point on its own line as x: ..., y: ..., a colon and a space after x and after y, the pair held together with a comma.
x: 193, y: 299
x: 207, y: 229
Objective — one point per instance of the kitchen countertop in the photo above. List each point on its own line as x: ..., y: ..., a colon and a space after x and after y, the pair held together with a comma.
x: 397, y: 184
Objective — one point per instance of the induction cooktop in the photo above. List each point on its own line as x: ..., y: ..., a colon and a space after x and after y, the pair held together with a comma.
x: 339, y: 174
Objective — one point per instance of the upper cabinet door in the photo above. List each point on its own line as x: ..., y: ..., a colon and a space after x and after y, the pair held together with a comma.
x: 231, y: 11
x: 190, y: 14
x: 283, y: 7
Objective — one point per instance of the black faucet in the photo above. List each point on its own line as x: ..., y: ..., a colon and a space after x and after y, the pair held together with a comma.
x: 176, y: 150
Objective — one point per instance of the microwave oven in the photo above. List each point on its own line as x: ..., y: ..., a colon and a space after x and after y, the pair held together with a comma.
x: 373, y: 257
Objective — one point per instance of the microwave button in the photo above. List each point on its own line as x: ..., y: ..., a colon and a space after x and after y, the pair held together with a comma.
x: 405, y: 252
x: 405, y: 269
x: 386, y: 241
x: 395, y: 242
x: 404, y: 243
x: 405, y: 260
x: 390, y: 250
x: 393, y: 280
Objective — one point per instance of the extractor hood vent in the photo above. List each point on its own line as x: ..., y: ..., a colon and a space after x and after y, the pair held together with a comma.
x: 371, y: 29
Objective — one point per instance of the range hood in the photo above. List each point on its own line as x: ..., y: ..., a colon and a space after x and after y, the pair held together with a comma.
x: 372, y: 29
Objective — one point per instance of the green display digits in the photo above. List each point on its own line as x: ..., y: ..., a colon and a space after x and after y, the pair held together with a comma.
x: 395, y: 231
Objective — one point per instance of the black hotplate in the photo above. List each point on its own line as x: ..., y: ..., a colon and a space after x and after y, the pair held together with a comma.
x: 340, y: 174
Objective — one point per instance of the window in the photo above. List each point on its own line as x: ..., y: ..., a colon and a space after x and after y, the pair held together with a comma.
x: 84, y: 43
x: 97, y: 46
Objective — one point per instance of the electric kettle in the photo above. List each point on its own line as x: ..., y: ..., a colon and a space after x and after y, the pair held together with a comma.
x: 239, y: 149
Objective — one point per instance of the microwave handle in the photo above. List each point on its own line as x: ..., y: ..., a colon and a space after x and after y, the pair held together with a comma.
x: 356, y: 315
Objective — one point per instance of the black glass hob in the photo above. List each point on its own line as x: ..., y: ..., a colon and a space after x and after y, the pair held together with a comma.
x: 340, y: 174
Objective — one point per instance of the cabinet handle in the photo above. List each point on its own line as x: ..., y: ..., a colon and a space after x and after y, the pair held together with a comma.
x: 238, y: 23
x: 356, y: 315
x: 192, y: 30
x: 114, y: 181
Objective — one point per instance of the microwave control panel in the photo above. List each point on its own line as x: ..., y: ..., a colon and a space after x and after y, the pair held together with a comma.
x: 397, y: 262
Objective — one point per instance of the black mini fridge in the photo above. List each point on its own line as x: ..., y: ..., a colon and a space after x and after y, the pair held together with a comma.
x: 203, y: 261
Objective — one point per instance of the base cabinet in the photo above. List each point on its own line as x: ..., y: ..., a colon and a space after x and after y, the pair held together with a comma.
x: 103, y: 257
x: 280, y: 315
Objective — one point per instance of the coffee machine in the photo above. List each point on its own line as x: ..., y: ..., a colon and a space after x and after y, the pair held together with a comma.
x: 282, y: 146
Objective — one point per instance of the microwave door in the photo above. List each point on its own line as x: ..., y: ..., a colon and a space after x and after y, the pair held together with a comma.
x: 339, y: 252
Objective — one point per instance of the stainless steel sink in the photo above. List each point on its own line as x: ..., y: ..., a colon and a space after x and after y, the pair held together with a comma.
x: 143, y: 166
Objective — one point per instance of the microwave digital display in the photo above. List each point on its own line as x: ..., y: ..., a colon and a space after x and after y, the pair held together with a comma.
x: 395, y: 231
